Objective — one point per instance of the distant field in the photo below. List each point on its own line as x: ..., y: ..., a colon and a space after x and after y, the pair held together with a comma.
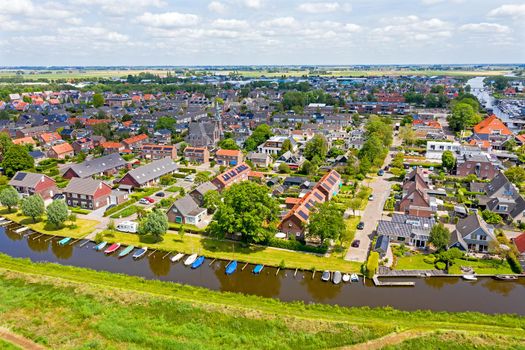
x: 92, y: 74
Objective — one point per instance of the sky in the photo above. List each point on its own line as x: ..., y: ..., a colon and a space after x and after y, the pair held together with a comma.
x: 260, y: 32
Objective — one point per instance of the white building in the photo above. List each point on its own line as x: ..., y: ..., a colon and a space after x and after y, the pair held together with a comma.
x: 435, y: 149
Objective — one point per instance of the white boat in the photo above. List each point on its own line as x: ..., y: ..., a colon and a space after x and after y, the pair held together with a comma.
x: 469, y: 277
x: 346, y: 277
x: 177, y: 257
x: 354, y: 277
x: 190, y: 259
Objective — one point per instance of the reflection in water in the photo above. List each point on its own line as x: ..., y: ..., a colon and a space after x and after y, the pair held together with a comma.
x: 500, y: 287
x: 320, y: 291
x: 440, y: 282
x: 14, y: 236
x: 63, y: 252
x: 160, y: 267
x: 38, y: 245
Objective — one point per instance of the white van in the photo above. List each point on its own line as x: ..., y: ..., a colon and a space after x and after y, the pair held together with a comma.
x: 128, y: 226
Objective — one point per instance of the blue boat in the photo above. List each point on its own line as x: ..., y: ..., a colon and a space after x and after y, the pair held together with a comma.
x: 64, y: 241
x: 197, y: 263
x: 100, y: 246
x: 258, y: 268
x: 232, y: 266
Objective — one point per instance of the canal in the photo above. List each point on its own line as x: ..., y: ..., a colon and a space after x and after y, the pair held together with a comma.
x: 439, y: 294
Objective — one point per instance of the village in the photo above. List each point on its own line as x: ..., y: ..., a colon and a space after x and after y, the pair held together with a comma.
x: 388, y: 173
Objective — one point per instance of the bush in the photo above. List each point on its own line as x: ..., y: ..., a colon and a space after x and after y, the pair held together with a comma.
x: 514, y: 263
x: 372, y: 264
x: 429, y: 259
x: 187, y: 170
x: 295, y: 245
x: 441, y: 265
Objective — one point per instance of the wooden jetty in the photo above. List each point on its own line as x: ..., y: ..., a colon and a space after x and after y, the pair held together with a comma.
x: 379, y: 283
x: 86, y: 241
x: 5, y: 222
x: 150, y: 254
x: 211, y: 263
x: 244, y: 266
x: 48, y: 239
x: 165, y: 255
x: 22, y: 229
x: 38, y: 236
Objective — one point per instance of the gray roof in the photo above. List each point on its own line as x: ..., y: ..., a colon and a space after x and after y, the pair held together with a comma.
x: 395, y: 229
x: 153, y: 170
x: 186, y: 205
x: 205, y: 187
x: 470, y: 224
x: 98, y: 165
x: 25, y: 179
x: 256, y: 155
x: 382, y: 243
x: 86, y: 186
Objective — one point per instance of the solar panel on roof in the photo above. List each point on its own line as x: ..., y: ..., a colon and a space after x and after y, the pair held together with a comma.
x: 303, y: 214
x: 308, y: 205
x: 318, y: 196
x: 20, y: 176
x: 325, y: 186
x: 331, y: 180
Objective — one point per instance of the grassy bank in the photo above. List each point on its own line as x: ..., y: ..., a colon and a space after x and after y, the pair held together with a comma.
x: 80, y: 228
x: 65, y: 307
x: 228, y: 250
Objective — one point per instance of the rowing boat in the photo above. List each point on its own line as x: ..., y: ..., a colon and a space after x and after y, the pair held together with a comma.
x: 177, y: 257
x: 354, y: 277
x: 257, y: 269
x: 197, y: 263
x: 100, y: 246
x: 64, y: 241
x: 140, y: 253
x: 325, y: 277
x: 190, y: 260
x: 112, y: 248
x: 470, y: 277
x: 232, y: 266
x: 346, y: 277
x: 126, y: 251
x: 505, y: 277
x: 337, y: 277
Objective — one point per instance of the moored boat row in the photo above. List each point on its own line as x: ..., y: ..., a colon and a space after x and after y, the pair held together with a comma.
x: 337, y: 277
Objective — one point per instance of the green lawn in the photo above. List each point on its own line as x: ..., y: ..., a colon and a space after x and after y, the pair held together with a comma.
x: 82, y: 229
x: 482, y: 267
x: 4, y: 345
x: 213, y: 248
x: 413, y: 262
x: 65, y: 307
x: 124, y: 213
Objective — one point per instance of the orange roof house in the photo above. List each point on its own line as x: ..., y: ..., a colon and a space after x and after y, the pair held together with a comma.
x: 519, y: 242
x: 49, y: 138
x: 61, y: 151
x: 491, y: 126
x: 135, y: 141
x: 24, y: 141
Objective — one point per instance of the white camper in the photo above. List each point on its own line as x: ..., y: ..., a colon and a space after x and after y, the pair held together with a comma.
x: 128, y: 226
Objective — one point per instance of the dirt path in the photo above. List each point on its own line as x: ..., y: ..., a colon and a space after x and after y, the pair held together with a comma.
x: 18, y: 340
x: 389, y: 339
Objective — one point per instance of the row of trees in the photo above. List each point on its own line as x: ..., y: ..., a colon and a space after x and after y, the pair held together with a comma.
x: 378, y: 140
x: 465, y: 112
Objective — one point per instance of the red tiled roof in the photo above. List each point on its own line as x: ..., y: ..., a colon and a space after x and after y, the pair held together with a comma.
x: 229, y: 152
x: 519, y: 242
x: 50, y: 137
x: 255, y: 174
x: 490, y: 124
x: 62, y: 148
x: 24, y: 141
x: 136, y: 138
x: 111, y: 144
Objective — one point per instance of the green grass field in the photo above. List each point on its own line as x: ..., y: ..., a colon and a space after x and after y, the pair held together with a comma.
x: 7, y: 346
x: 64, y: 307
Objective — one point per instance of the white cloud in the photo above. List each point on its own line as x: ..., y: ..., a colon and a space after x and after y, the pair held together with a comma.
x: 515, y: 11
x: 253, y: 4
x: 120, y: 7
x: 282, y: 22
x: 434, y: 2
x: 31, y: 10
x: 485, y: 28
x: 229, y: 24
x: 319, y: 7
x: 217, y: 7
x: 168, y: 19
x: 93, y: 32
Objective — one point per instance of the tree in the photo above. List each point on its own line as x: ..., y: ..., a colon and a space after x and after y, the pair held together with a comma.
x: 102, y: 129
x: 463, y: 116
x: 355, y: 204
x: 33, y: 206
x: 373, y: 150
x: 155, y: 224
x: 17, y: 158
x: 259, y: 135
x: 166, y: 123
x: 98, y: 100
x: 448, y: 160
x: 247, y: 210
x: 326, y: 223
x: 308, y: 168
x: 287, y: 146
x: 284, y: 168
x: 407, y: 134
x: 439, y: 237
x: 5, y: 143
x: 202, y: 177
x: 372, y: 264
x: 57, y: 213
x: 228, y: 144
x: 515, y: 174
x: 491, y: 218
x: 212, y: 200
x: 9, y: 197
x: 317, y: 146
x: 448, y: 256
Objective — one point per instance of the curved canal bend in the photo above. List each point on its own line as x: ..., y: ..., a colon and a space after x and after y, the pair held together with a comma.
x: 439, y: 294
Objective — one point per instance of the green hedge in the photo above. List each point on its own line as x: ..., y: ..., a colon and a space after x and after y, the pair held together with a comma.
x: 128, y: 211
x: 187, y: 170
x: 295, y: 245
x: 120, y: 206
x: 79, y: 210
x: 514, y: 263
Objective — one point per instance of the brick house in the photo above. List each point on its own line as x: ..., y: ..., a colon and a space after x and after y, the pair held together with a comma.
x: 106, y: 165
x: 87, y: 193
x: 477, y: 164
x: 61, y: 151
x: 30, y: 183
x: 198, y: 155
x: 415, y: 200
x: 236, y: 174
x: 149, y: 174
x: 135, y: 142
x: 228, y: 157
x: 112, y: 147
x: 152, y: 151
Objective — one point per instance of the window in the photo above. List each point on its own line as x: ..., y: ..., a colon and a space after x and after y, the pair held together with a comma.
x: 482, y: 237
x: 401, y: 239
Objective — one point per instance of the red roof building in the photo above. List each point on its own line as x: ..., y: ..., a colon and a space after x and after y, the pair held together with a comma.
x: 519, y: 242
x: 491, y: 126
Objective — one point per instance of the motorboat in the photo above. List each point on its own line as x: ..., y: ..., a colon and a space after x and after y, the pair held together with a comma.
x: 346, y: 277
x: 190, y: 259
x: 505, y: 277
x: 325, y: 277
x: 177, y: 257
x: 336, y: 278
x: 469, y: 277
x: 354, y: 277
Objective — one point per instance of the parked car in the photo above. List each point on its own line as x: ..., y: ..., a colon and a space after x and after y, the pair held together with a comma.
x: 356, y: 243
x: 143, y: 201
x: 361, y: 225
x: 371, y: 197
x: 149, y: 199
x: 381, y: 172
x: 160, y: 194
x: 58, y: 196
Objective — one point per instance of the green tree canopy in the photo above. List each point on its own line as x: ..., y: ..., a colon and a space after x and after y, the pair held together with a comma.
x: 491, y: 217
x: 284, y: 168
x: 448, y: 160
x: 57, y: 213
x: 5, y: 143
x: 439, y: 236
x: 166, y: 123
x: 262, y: 133
x: 463, y: 116
x: 248, y: 210
x: 287, y: 146
x: 308, y: 168
x: 228, y: 144
x: 202, y: 177
x: 17, y: 158
x: 98, y: 100
x: 212, y: 200
x: 155, y: 224
x: 326, y: 223
x: 515, y: 174
x: 33, y: 206
x: 9, y: 197
x: 317, y: 146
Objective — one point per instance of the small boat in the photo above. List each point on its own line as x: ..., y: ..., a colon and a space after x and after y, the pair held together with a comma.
x: 231, y: 267
x: 346, y: 277
x: 126, y: 251
x: 336, y: 279
x: 325, y: 277
x: 190, y: 260
x: 257, y: 269
x: 354, y: 277
x: 505, y: 277
x: 100, y: 246
x: 197, y: 263
x: 140, y: 253
x: 112, y: 248
x: 469, y: 277
x: 64, y: 241
x: 177, y: 257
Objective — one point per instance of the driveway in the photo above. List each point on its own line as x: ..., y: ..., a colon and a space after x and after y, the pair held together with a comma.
x: 370, y: 216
